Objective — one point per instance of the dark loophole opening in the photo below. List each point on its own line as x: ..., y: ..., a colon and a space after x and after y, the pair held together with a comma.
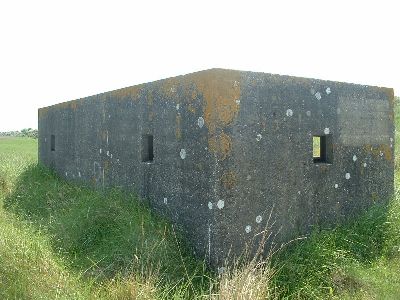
x: 147, y: 148
x: 53, y: 142
x: 322, y: 149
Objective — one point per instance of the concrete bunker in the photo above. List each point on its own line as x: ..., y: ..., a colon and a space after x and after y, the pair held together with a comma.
x: 220, y: 151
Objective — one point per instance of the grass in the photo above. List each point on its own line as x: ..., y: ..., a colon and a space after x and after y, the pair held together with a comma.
x: 65, y: 241
x: 102, y: 245
x: 337, y: 263
x: 60, y: 240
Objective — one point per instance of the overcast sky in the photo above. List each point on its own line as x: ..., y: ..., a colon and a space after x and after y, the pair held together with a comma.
x: 52, y: 52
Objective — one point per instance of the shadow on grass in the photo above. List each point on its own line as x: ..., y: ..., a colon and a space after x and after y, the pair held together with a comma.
x: 105, y: 234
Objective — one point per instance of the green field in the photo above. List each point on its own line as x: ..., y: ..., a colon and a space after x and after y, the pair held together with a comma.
x: 59, y: 240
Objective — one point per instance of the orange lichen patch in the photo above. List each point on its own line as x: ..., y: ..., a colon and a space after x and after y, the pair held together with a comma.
x: 73, y: 105
x: 132, y: 92
x: 170, y: 86
x: 387, y: 151
x: 194, y: 94
x: 69, y: 104
x: 62, y: 105
x: 380, y: 150
x: 220, y: 90
x: 178, y: 130
x: 229, y: 180
x: 220, y: 144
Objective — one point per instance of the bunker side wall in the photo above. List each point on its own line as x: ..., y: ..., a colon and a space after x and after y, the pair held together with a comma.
x: 102, y: 141
x: 271, y: 180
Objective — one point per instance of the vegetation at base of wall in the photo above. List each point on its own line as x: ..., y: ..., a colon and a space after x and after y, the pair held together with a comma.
x: 109, y: 240
x: 60, y: 240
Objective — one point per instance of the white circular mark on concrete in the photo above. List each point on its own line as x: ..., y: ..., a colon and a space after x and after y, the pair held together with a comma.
x: 247, y: 229
x: 165, y: 200
x: 289, y: 112
x: 108, y: 153
x: 258, y: 219
x: 380, y: 153
x: 210, y: 205
x: 66, y: 173
x: 100, y: 150
x: 79, y: 174
x: 326, y: 130
x: 336, y: 185
x: 200, y: 122
x: 177, y: 106
x: 308, y: 113
x: 248, y: 177
x: 237, y: 101
x: 354, y: 157
x: 111, y: 155
x: 259, y: 137
x: 318, y: 95
x: 347, y: 175
x: 298, y: 192
x: 328, y: 90
x: 220, y: 204
x: 183, y: 153
x: 365, y: 165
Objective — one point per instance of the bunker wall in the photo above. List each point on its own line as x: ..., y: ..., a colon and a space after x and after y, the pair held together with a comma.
x: 225, y: 153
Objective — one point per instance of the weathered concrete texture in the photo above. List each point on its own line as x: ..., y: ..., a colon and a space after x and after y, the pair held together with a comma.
x: 229, y: 148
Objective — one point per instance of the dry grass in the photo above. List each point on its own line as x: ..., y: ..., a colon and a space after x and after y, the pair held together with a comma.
x: 252, y: 281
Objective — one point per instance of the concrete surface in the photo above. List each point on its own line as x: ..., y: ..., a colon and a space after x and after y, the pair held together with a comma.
x: 231, y: 150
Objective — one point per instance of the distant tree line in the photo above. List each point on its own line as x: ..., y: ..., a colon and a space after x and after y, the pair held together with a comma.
x: 26, y: 132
